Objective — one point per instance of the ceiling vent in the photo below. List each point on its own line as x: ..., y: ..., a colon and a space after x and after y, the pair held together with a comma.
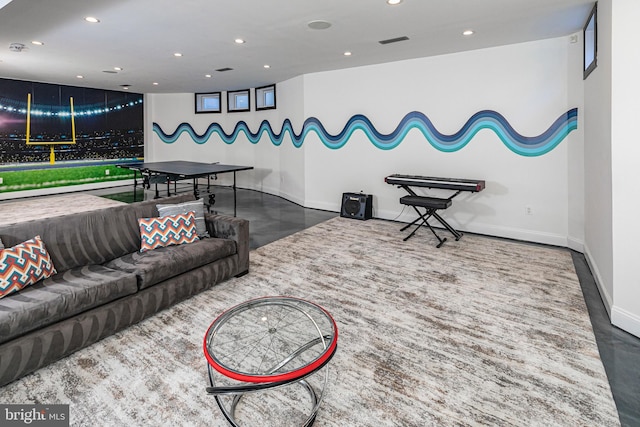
x: 224, y: 69
x: 16, y: 47
x: 396, y: 40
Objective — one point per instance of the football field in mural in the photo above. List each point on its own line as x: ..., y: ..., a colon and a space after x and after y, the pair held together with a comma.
x: 520, y: 144
x: 45, y: 176
x: 53, y: 135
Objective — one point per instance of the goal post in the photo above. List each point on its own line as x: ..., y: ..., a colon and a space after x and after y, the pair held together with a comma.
x: 52, y: 158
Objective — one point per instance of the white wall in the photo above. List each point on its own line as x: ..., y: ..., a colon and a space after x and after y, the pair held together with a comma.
x: 597, y: 142
x: 527, y: 83
x: 576, y: 193
x: 611, y: 163
x: 625, y: 164
x: 277, y: 169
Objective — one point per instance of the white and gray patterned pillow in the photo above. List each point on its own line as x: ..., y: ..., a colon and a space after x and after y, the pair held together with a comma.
x: 196, y: 206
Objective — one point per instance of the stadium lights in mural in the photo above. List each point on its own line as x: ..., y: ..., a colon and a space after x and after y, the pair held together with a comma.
x: 530, y: 146
x: 52, y: 157
x: 54, y: 135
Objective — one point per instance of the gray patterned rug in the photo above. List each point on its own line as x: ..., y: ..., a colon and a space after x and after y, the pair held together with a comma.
x: 479, y: 332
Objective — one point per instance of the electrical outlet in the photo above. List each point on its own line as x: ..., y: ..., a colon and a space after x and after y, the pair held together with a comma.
x: 106, y: 171
x: 528, y: 210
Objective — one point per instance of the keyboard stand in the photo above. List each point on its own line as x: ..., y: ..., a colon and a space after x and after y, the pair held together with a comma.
x: 430, y: 205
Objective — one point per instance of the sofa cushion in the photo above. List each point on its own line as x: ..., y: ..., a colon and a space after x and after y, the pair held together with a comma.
x: 170, y: 230
x: 87, y: 238
x: 62, y: 296
x: 23, y: 265
x: 160, y: 264
x: 195, y: 206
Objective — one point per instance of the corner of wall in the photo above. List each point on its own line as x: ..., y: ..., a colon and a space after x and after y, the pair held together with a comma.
x: 625, y: 320
x: 607, y: 299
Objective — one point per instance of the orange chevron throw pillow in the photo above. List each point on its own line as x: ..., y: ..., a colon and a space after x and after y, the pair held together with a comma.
x: 23, y: 265
x: 167, y: 231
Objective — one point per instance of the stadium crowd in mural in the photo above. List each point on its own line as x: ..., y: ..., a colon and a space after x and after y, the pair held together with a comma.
x: 108, y: 124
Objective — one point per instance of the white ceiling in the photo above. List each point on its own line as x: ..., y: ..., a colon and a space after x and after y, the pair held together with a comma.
x: 141, y: 36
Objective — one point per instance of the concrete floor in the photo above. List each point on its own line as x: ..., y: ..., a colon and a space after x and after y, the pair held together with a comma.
x: 272, y: 218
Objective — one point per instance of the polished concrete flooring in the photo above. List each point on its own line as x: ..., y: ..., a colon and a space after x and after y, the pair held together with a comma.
x: 272, y: 218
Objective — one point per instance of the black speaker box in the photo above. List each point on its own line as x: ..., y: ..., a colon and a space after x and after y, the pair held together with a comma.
x: 357, y: 206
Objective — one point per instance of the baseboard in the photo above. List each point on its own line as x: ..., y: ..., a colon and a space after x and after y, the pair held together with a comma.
x: 575, y: 244
x: 277, y: 192
x: 607, y: 299
x: 331, y: 207
x: 626, y: 321
x: 291, y: 198
x: 408, y: 215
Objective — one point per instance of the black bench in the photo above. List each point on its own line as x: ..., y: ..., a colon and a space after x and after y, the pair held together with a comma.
x: 430, y: 205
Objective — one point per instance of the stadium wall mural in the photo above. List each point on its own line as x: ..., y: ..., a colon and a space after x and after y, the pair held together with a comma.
x: 53, y: 135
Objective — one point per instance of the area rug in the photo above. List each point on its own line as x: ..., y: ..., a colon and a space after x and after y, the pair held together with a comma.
x: 482, y: 331
x: 46, y: 207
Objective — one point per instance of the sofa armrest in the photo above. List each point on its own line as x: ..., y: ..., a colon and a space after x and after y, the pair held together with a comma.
x: 237, y: 229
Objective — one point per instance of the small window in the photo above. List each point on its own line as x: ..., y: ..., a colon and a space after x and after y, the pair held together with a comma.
x: 208, y: 102
x: 238, y: 100
x: 266, y: 97
x: 590, y: 40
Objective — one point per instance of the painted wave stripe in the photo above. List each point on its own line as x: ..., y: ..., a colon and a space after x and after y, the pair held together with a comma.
x: 486, y: 119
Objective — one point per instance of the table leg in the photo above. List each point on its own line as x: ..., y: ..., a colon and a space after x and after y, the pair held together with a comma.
x: 234, y: 194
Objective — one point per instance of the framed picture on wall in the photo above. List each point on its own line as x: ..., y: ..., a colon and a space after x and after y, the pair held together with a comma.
x: 590, y: 42
x: 208, y: 102
x: 266, y: 97
x: 238, y: 100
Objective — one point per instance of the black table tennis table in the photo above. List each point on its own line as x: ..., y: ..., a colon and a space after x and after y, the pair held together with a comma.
x: 174, y: 171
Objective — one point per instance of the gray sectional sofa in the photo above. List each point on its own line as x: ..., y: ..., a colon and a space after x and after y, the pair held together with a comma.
x: 103, y: 283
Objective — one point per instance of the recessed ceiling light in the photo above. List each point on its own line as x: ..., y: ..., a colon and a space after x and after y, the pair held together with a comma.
x: 155, y: 83
x: 37, y: 43
x: 347, y: 53
x: 79, y: 76
x: 393, y: 2
x: 208, y: 76
x: 267, y: 66
x: 467, y: 32
x: 117, y: 68
x: 319, y: 25
x: 92, y: 19
x: 239, y: 41
x: 177, y: 54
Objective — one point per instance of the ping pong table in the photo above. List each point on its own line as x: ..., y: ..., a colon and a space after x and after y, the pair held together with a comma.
x: 174, y: 171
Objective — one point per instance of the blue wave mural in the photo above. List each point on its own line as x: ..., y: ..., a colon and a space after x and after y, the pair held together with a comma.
x: 487, y: 119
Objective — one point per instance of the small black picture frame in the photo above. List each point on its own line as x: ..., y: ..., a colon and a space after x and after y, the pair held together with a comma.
x: 590, y: 42
x: 266, y: 97
x: 238, y: 100
x: 210, y: 102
